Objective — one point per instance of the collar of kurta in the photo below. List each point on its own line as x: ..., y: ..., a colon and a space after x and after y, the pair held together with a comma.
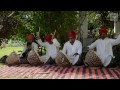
x: 104, y: 38
x: 72, y: 43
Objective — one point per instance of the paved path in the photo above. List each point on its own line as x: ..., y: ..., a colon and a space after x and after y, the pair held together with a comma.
x: 57, y: 72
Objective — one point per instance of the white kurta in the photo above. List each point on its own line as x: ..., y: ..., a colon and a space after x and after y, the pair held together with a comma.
x: 104, y: 49
x: 51, y: 50
x: 34, y: 46
x: 70, y: 50
x: 56, y: 43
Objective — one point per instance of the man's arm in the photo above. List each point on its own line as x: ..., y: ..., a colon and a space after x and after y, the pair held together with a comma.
x: 65, y: 48
x: 41, y: 43
x: 115, y: 41
x: 93, y: 45
x: 56, y: 43
x: 80, y: 48
x: 35, y: 47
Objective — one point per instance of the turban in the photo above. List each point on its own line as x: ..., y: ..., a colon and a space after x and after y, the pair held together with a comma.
x: 30, y: 37
x: 103, y: 30
x: 48, y: 38
x: 72, y: 34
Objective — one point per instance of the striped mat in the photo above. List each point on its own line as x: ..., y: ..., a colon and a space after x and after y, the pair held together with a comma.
x: 56, y: 72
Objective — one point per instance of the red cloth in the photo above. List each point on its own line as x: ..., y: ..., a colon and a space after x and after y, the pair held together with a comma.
x: 30, y: 37
x: 103, y: 29
x: 48, y: 38
x: 72, y: 34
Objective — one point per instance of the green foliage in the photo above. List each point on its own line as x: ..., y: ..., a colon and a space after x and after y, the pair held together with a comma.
x: 23, y: 22
x: 61, y: 21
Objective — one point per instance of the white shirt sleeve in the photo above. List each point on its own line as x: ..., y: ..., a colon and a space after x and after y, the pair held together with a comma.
x: 80, y: 48
x: 56, y: 43
x: 41, y: 43
x: 65, y: 48
x: 35, y: 47
x: 115, y: 41
x: 93, y: 45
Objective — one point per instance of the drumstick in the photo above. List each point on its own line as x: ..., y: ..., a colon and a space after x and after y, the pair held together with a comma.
x: 54, y: 32
x: 37, y: 33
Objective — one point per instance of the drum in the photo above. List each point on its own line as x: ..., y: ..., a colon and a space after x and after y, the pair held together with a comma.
x: 92, y: 59
x: 62, y: 59
x: 34, y: 58
x: 13, y: 59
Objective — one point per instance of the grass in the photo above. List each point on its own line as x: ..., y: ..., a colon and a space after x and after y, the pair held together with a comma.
x: 8, y: 50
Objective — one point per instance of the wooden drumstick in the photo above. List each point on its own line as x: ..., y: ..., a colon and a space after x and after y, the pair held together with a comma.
x: 37, y: 33
x: 54, y: 32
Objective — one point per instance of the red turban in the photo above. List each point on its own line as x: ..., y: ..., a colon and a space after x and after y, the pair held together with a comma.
x: 48, y: 38
x: 103, y: 30
x: 72, y: 34
x: 30, y: 37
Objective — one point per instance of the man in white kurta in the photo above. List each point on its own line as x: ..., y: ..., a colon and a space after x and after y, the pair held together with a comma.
x: 73, y: 48
x: 104, y: 46
x: 30, y: 39
x: 52, y: 46
x: 34, y: 46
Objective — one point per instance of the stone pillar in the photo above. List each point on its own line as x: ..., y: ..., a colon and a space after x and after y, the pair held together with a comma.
x: 86, y: 41
x: 84, y: 26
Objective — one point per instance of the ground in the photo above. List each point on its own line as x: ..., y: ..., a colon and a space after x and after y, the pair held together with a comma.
x: 26, y: 71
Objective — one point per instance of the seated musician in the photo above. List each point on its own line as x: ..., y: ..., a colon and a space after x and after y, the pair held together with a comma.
x: 104, y: 47
x: 72, y: 48
x: 28, y: 46
x: 51, y: 44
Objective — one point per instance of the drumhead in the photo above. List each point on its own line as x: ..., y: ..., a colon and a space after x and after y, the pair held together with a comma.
x: 62, y: 59
x: 16, y: 55
x: 33, y: 58
x: 12, y: 59
x: 64, y: 54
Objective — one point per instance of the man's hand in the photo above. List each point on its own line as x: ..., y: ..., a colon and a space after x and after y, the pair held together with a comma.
x: 75, y: 54
x: 53, y: 36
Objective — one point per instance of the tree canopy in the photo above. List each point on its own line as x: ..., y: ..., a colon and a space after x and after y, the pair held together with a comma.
x: 16, y: 24
x: 22, y: 22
